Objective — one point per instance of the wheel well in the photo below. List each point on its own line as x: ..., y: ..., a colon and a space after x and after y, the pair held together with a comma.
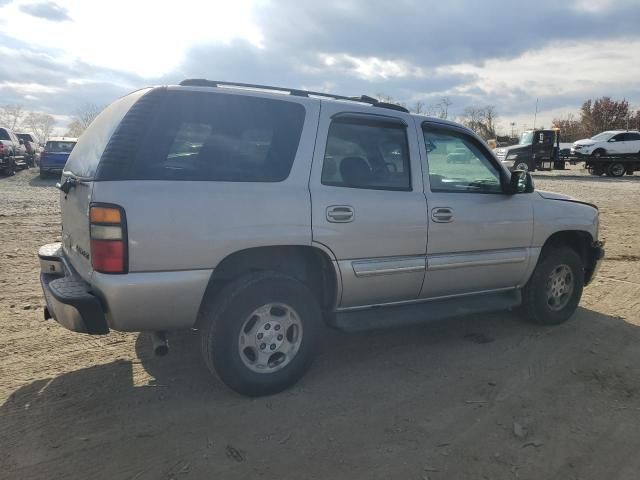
x: 577, y: 240
x: 310, y: 265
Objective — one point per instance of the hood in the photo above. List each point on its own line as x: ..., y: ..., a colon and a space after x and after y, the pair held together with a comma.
x: 584, y: 141
x: 565, y: 198
x: 512, y: 148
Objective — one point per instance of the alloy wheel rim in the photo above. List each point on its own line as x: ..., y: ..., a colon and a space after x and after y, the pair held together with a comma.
x: 560, y: 285
x: 270, y: 338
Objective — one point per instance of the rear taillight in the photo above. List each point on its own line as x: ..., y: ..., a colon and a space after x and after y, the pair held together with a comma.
x: 108, y: 239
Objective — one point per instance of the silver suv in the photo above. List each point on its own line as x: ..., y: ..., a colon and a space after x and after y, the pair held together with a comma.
x: 258, y: 215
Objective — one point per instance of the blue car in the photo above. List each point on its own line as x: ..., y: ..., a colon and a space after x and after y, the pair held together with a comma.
x: 55, y: 155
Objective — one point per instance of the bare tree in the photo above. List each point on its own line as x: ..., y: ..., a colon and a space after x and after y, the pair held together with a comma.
x: 481, y: 120
x: 443, y: 107
x: 83, y: 118
x: 12, y: 116
x: 419, y: 107
x: 40, y: 125
x: 382, y: 97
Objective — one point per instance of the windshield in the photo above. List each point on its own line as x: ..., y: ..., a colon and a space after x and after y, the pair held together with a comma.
x: 526, y: 138
x: 62, y: 147
x: 25, y: 136
x: 601, y: 136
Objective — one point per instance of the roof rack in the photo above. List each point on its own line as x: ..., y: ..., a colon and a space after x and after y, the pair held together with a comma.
x: 201, y: 82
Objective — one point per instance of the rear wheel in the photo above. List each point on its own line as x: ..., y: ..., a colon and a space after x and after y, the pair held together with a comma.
x: 554, y: 290
x: 260, y: 333
x: 616, y: 169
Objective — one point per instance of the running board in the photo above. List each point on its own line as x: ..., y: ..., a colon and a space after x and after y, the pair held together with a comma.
x: 423, y: 312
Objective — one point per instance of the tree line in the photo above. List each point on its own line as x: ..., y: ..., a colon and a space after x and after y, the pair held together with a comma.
x: 596, y: 116
x: 16, y: 118
x: 480, y: 119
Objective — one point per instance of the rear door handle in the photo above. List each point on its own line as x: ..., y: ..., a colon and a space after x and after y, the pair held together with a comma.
x: 442, y: 214
x: 339, y: 213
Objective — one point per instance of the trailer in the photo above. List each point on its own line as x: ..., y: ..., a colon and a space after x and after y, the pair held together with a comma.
x: 612, y: 165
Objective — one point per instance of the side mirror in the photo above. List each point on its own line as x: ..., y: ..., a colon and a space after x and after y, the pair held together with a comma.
x: 520, y: 182
x: 611, y: 140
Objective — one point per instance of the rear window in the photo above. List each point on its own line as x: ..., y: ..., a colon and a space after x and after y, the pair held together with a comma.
x: 4, y: 135
x: 209, y: 137
x: 60, y: 147
x: 84, y: 159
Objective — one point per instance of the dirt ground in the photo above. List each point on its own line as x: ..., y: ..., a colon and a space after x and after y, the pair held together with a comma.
x: 483, y: 397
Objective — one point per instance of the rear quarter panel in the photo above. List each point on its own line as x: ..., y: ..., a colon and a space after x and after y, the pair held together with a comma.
x: 190, y: 225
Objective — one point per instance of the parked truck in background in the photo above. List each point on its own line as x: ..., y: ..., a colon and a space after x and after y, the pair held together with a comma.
x: 12, y: 152
x: 537, y: 150
x: 32, y: 148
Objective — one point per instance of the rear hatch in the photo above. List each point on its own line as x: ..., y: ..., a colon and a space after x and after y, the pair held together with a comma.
x: 79, y: 173
x: 56, y: 154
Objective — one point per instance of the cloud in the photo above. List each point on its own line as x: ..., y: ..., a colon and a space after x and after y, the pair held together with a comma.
x: 505, y: 55
x: 47, y: 10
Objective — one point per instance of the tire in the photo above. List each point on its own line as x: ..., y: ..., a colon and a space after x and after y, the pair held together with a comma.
x: 522, y: 165
x: 598, y: 153
x: 543, y: 301
x: 616, y: 169
x: 10, y: 170
x: 559, y: 165
x: 233, y: 319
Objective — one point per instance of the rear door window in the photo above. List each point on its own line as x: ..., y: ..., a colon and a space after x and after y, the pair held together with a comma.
x: 367, y: 153
x: 219, y: 137
x: 632, y: 137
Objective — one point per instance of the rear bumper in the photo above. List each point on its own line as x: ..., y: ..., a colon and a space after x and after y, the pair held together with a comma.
x: 596, y: 256
x: 51, y: 168
x: 69, y: 298
x: 135, y: 302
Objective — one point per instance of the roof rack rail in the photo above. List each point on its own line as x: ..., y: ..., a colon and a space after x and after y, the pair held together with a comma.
x: 202, y: 82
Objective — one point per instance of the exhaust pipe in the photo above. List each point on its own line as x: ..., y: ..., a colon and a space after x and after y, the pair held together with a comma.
x: 159, y: 343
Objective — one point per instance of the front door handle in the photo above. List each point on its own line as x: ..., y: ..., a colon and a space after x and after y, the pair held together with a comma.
x: 442, y: 214
x: 339, y: 213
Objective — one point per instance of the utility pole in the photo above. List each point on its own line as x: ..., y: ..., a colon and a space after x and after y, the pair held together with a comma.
x: 513, y: 124
x: 535, y: 116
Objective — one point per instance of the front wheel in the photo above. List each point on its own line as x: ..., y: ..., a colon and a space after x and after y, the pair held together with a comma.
x: 10, y: 168
x: 522, y: 165
x: 554, y: 290
x: 261, y: 332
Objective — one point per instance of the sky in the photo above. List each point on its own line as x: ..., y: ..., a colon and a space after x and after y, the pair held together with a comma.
x: 56, y: 56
